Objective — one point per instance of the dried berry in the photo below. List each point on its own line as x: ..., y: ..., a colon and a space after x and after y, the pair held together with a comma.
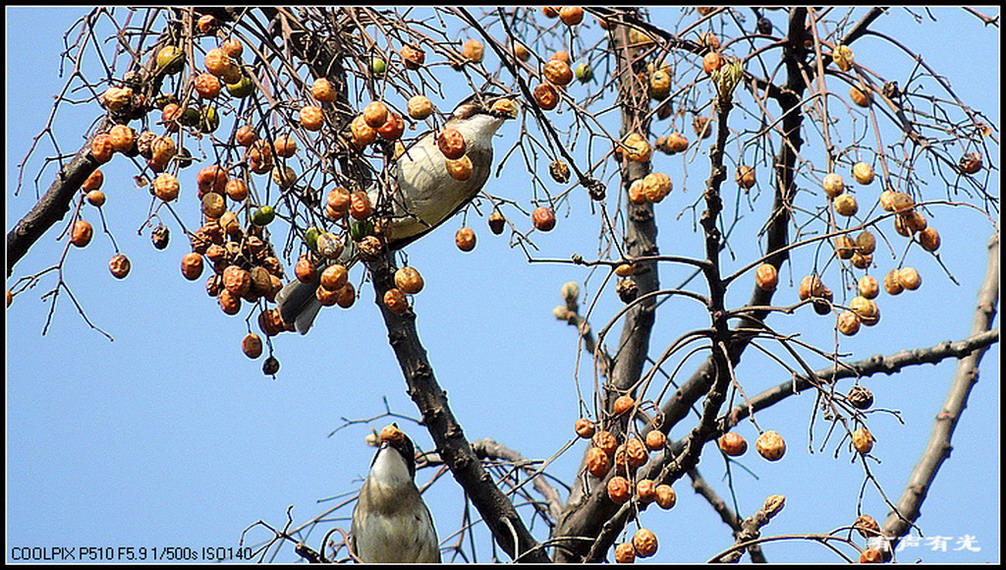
x: 395, y: 301
x: 251, y: 345
x: 82, y: 233
x: 909, y: 278
x: 970, y: 163
x: 863, y: 173
x: 845, y: 247
x: 460, y: 169
x: 665, y: 496
x: 892, y: 282
x: 745, y: 177
x: 419, y: 107
x: 598, y: 462
x: 733, y: 444
x: 323, y: 91
x: 929, y: 238
x: 860, y: 95
x: 646, y: 490
x: 644, y: 542
x: 833, y: 185
x: 192, y: 266
x: 655, y: 440
x: 846, y: 205
x: 605, y: 441
x: 766, y: 277
x: 848, y: 323
x: 868, y: 287
x: 862, y: 440
x: 451, y: 143
x: 119, y: 266
x: 546, y: 96
x: 271, y: 366
x: 770, y: 445
x: 409, y: 280
x: 866, y: 526
x: 627, y: 290
x: 311, y: 117
x: 625, y: 553
x: 557, y: 72
x: 635, y: 452
x: 334, y: 277
x: 585, y: 428
x: 375, y: 114
x: 496, y: 222
x: 619, y: 490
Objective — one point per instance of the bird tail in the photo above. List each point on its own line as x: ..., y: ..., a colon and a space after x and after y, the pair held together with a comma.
x: 298, y: 303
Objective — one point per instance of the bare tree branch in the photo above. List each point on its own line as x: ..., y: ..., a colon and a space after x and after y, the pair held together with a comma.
x: 938, y: 449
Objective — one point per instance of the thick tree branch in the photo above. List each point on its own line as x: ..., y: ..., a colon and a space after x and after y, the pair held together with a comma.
x: 496, y: 509
x: 938, y: 449
x: 588, y: 509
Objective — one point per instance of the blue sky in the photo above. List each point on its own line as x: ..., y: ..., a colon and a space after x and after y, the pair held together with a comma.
x: 169, y: 436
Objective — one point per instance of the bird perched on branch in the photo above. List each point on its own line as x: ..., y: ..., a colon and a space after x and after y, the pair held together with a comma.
x: 425, y: 194
x: 391, y: 523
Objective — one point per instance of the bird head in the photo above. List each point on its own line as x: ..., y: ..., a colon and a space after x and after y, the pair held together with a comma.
x: 483, y: 112
x: 396, y: 455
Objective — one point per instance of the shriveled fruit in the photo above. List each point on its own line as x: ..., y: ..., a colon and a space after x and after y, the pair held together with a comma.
x: 909, y: 278
x: 473, y: 50
x: 119, y: 266
x: 323, y: 91
x: 393, y: 128
x: 312, y: 118
x: 571, y: 15
x: 375, y: 114
x: 496, y: 222
x: 460, y: 169
x: 546, y: 96
x: 465, y: 239
x: 866, y: 526
x: 766, y: 277
x: 655, y: 440
x: 866, y: 242
x: 733, y: 444
x: 970, y: 163
x: 644, y: 542
x: 623, y: 404
x: 334, y: 277
x: 646, y: 490
x: 619, y: 490
x: 929, y: 238
x: 409, y: 280
x: 543, y: 218
x: 860, y: 397
x: 598, y: 462
x: 860, y: 95
x: 712, y: 61
x: 868, y: 287
x: 625, y: 553
x: 192, y: 266
x: 846, y: 205
x: 892, y: 282
x: 236, y: 189
x: 666, y: 498
x: 656, y: 186
x: 557, y: 72
x: 96, y: 198
x: 862, y: 440
x: 871, y: 556
x: 419, y: 107
x: 863, y: 173
x: 833, y: 185
x: 451, y: 143
x: 848, y: 323
x: 93, y: 181
x: 584, y: 428
x: 305, y: 270
x: 395, y: 301
x: 412, y: 57
x: 845, y: 247
x: 770, y: 445
x: 360, y: 206
x: 82, y: 233
x: 102, y: 149
x: 605, y: 441
x: 745, y: 176
x: 166, y: 187
x: 251, y: 345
